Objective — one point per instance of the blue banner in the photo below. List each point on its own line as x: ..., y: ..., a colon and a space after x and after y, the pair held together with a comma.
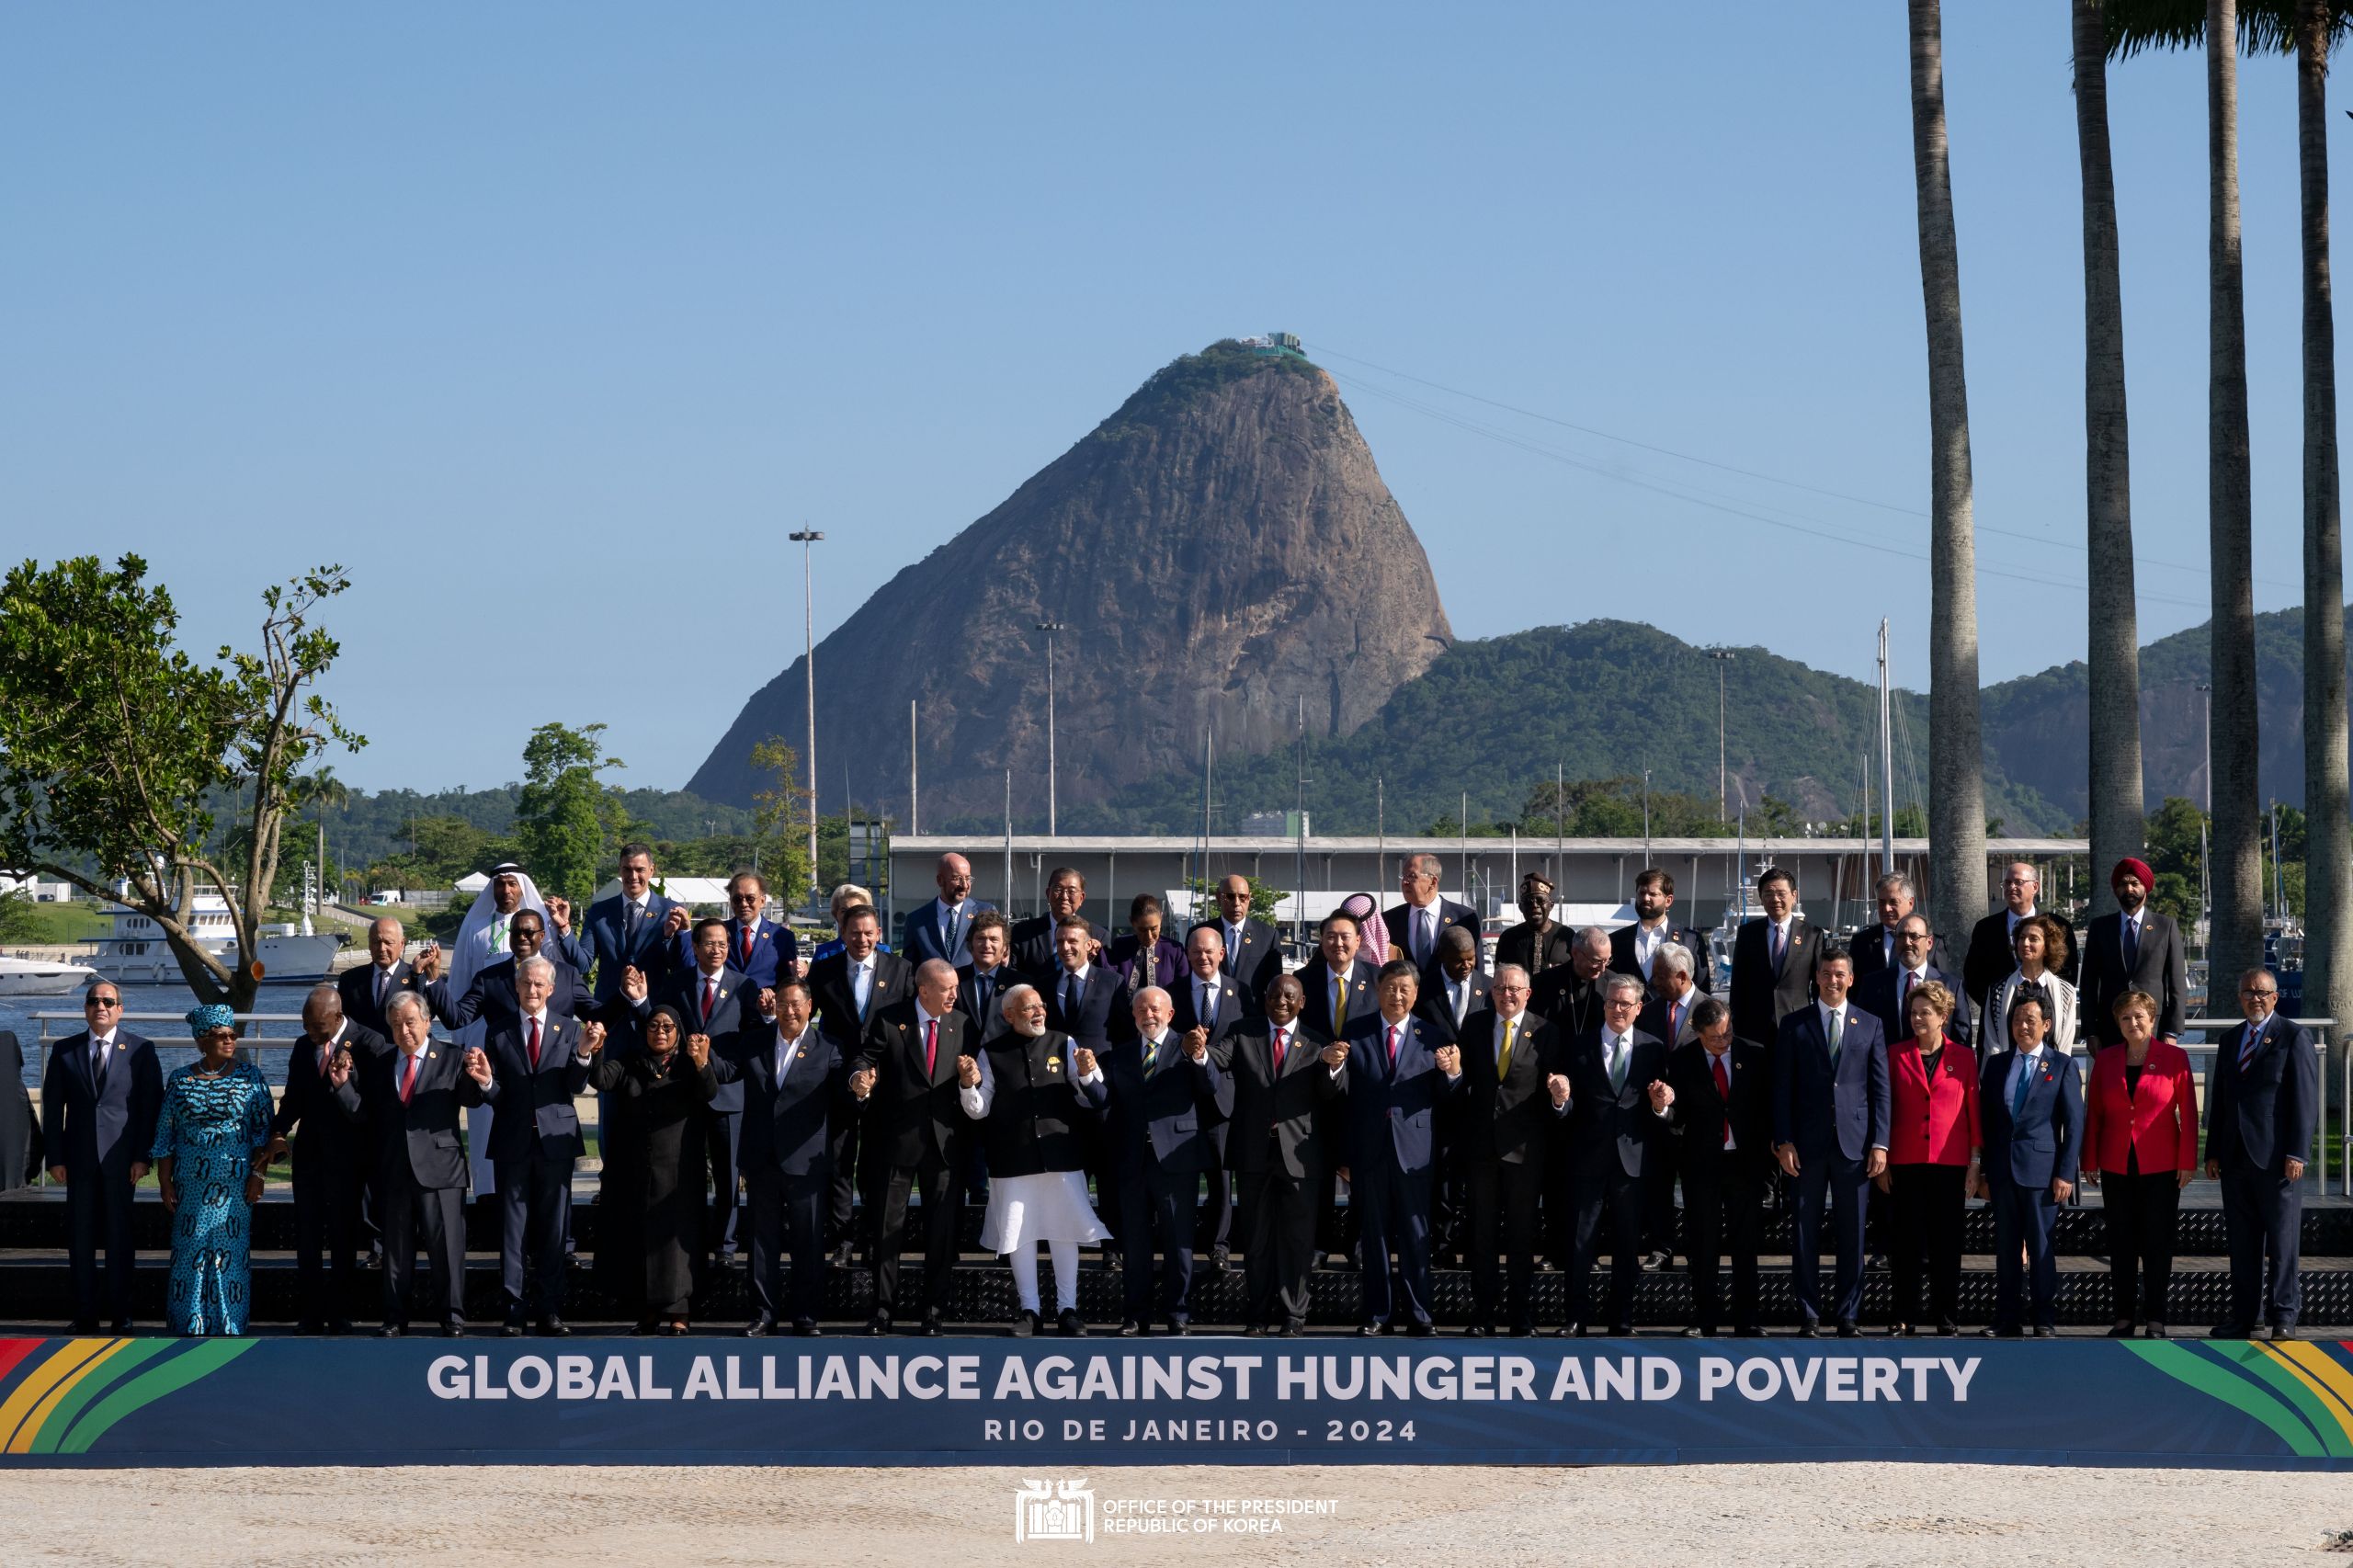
x: 1205, y: 1400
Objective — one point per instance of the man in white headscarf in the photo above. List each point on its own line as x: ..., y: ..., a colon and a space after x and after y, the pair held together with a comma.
x: 482, y: 942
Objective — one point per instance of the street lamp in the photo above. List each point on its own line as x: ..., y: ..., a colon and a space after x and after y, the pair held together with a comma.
x: 2206, y: 724
x: 805, y: 537
x: 1722, y: 656
x: 1050, y: 627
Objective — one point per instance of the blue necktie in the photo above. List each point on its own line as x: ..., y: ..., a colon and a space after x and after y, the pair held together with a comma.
x: 2026, y: 1083
x: 2132, y: 945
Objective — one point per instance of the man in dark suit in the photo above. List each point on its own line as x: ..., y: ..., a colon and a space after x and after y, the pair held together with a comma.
x: 330, y: 1160
x: 1831, y: 1107
x: 1284, y: 1075
x: 1512, y: 1063
x: 1457, y: 990
x: 1254, y: 952
x: 981, y: 983
x: 2262, y: 1109
x: 1035, y: 949
x: 1569, y: 997
x: 941, y: 928
x: 1415, y: 926
x: 757, y: 948
x: 1991, y: 957
x: 1886, y: 994
x: 635, y: 928
x: 1675, y: 995
x: 1166, y: 1094
x: 849, y: 988
x: 795, y: 1084
x: 1633, y: 948
x: 1724, y: 1124
x: 408, y: 1099
x: 1617, y: 1137
x: 1080, y: 990
x: 364, y: 990
x: 100, y: 1096
x: 2032, y: 1111
x: 490, y: 996
x: 1772, y: 960
x: 1538, y: 942
x: 538, y: 1064
x: 717, y: 1000
x: 2136, y: 948
x: 1337, y: 984
x: 907, y: 1068
x: 1211, y: 1000
x: 1878, y: 949
x: 1398, y: 1072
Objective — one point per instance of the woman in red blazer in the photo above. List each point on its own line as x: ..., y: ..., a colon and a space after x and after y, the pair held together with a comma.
x: 1932, y: 1149
x: 2141, y: 1130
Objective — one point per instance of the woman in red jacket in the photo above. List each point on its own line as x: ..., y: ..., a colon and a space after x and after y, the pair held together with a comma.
x: 2141, y: 1130
x: 1932, y: 1150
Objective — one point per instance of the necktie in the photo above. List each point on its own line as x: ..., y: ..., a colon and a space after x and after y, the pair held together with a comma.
x: 1205, y: 1010
x: 749, y: 935
x: 534, y: 1045
x: 631, y: 913
x: 1340, y: 1002
x: 930, y: 1046
x: 1904, y: 1002
x: 326, y: 1057
x: 1618, y: 1065
x: 1151, y: 1055
x: 384, y: 983
x: 1282, y: 1043
x: 862, y: 985
x: 1070, y: 995
x: 99, y: 1054
x: 408, y: 1079
x: 1503, y: 1052
x: 1233, y: 948
x: 1724, y: 1093
x: 2026, y: 1082
x: 2253, y: 1037
x: 1462, y: 1000
x: 1773, y: 937
x: 1392, y: 1045
x: 1422, y: 939
x: 1674, y: 1022
x: 980, y: 997
x: 952, y: 919
x: 709, y: 1000
x: 1836, y: 1028
x: 2132, y: 945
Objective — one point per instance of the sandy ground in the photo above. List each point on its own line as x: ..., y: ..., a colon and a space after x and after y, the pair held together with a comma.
x: 1818, y: 1514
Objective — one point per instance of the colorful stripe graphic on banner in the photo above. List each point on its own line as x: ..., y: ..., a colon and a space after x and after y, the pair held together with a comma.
x: 65, y: 1400
x: 2297, y: 1388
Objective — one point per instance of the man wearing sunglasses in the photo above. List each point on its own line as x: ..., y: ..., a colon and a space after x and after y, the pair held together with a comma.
x: 99, y: 1100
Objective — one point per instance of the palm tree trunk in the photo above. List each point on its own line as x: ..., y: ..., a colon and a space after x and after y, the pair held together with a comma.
x: 2114, y: 652
x: 2237, y: 869
x: 1956, y: 756
x: 2328, y: 814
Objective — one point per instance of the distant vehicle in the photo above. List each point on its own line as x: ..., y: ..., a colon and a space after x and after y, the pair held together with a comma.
x: 389, y: 895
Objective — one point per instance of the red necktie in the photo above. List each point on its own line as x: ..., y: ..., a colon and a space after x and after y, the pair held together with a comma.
x: 1392, y: 1045
x: 1905, y: 1003
x: 534, y: 1045
x: 1723, y: 1092
x: 1280, y: 1042
x: 747, y: 947
x: 709, y: 1000
x: 1674, y: 1022
x: 408, y: 1079
x: 930, y: 1046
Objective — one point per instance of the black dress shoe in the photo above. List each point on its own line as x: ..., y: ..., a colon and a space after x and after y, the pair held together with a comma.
x: 391, y: 1331
x: 2044, y: 1330
x: 842, y: 1255
x: 512, y: 1328
x: 1569, y: 1331
x: 1180, y: 1328
x: 1294, y: 1327
x: 1371, y: 1330
x: 123, y: 1329
x: 1073, y: 1327
x: 1522, y: 1328
x: 1025, y: 1323
x: 2228, y: 1331
x: 1748, y: 1331
x: 760, y: 1326
x: 2011, y: 1332
x: 340, y: 1326
x: 933, y: 1323
x: 1622, y: 1331
x: 2260, y: 1331
x: 1850, y: 1329
x: 1131, y: 1329
x: 667, y: 1330
x: 1480, y: 1331
x: 1696, y: 1332
x: 879, y: 1324
x: 453, y: 1331
x: 553, y: 1328
x: 1809, y: 1329
x: 2120, y: 1329
x: 1947, y: 1328
x: 84, y: 1328
x: 807, y: 1328
x: 644, y: 1330
x: 1220, y: 1258
x: 1421, y: 1328
x: 2158, y: 1331
x: 1254, y: 1331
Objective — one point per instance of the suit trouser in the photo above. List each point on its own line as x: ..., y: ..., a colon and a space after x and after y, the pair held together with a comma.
x: 2023, y: 1219
x: 441, y: 1212
x: 723, y: 1132
x: 1928, y: 1209
x: 1833, y: 1183
x: 1658, y: 1207
x: 2263, y: 1213
x: 1723, y: 1208
x: 2141, y: 1209
x: 842, y: 1149
x: 98, y: 1213
x: 534, y: 1212
x: 1602, y: 1190
x: 1163, y: 1207
x: 1278, y: 1242
x: 886, y: 1203
x: 1395, y: 1207
x: 1502, y: 1196
x: 326, y: 1239
x: 788, y: 1211
x: 1217, y: 1216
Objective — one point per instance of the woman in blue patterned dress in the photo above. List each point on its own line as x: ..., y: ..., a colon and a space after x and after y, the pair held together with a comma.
x: 216, y: 1118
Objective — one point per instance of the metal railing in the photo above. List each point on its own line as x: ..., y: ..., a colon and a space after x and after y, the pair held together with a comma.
x: 2319, y: 1029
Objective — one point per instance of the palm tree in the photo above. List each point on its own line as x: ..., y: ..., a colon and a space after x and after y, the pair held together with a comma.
x: 2234, y: 860
x: 2114, y: 652
x: 1956, y: 757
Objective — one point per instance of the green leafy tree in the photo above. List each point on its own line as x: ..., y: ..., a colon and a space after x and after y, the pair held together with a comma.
x: 780, y: 819
x: 563, y: 820
x: 115, y: 744
x: 19, y: 917
x: 1264, y: 896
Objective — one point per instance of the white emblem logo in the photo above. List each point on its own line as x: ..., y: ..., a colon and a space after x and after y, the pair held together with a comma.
x: 1065, y: 1511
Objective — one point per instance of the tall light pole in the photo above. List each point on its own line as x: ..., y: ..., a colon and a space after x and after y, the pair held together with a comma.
x: 1050, y: 627
x: 1722, y: 656
x: 2206, y: 744
x: 805, y: 537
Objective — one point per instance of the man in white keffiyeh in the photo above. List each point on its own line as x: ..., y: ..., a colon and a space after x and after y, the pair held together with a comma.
x: 482, y: 942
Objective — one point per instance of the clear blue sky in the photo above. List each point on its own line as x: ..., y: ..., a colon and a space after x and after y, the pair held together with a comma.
x: 549, y: 322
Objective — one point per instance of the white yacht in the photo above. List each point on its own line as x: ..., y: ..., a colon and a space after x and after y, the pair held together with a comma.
x: 134, y: 952
x: 42, y: 977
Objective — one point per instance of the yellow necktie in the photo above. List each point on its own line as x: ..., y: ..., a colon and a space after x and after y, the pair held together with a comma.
x: 1503, y: 1054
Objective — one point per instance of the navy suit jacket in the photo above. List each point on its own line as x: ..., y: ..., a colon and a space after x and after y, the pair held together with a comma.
x: 737, y: 1009
x: 1167, y: 1118
x: 1823, y: 1109
x: 926, y: 939
x: 1090, y: 1023
x: 330, y: 1145
x: 1258, y: 961
x: 533, y: 1108
x: 836, y: 999
x: 94, y: 1132
x: 416, y: 1141
x: 1601, y: 1123
x: 2259, y: 1116
x: 986, y: 1013
x: 785, y: 1123
x: 1448, y: 913
x: 1315, y: 978
x: 2045, y: 1143
x: 1876, y: 996
x: 652, y: 951
x: 1703, y: 966
x: 775, y: 951
x: 490, y: 996
x: 1392, y: 1108
x: 357, y: 989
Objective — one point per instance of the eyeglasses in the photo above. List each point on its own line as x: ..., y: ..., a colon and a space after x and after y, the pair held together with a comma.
x: 102, y: 1001
x: 2250, y: 991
